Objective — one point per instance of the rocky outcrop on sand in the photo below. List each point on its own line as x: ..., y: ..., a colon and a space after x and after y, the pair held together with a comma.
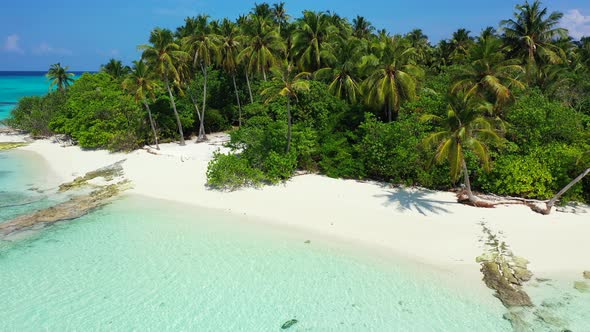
x: 107, y: 174
x: 11, y: 145
x: 504, y: 272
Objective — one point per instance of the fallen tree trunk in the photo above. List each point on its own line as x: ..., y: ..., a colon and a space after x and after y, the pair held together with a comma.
x: 552, y: 201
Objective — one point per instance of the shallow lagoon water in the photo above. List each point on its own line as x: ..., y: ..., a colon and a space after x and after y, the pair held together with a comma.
x: 143, y: 264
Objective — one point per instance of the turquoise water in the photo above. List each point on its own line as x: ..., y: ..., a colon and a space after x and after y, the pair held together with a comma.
x: 22, y: 184
x: 143, y: 264
x: 15, y: 85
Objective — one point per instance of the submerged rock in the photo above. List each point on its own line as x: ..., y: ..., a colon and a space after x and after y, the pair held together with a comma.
x: 582, y: 286
x: 517, y: 321
x: 71, y: 209
x: 550, y: 319
x: 11, y: 145
x: 289, y: 323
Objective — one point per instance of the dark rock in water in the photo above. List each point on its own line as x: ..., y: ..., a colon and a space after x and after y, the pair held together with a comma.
x: 307, y: 242
x: 510, y: 295
x: 71, y: 209
x: 289, y: 323
x: 517, y: 321
x: 504, y: 272
x: 549, y: 318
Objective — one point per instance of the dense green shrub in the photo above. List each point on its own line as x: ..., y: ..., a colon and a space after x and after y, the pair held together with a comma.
x: 34, y: 114
x: 230, y: 172
x: 98, y: 114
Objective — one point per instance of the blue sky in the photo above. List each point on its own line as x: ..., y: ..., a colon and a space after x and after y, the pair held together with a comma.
x: 85, y: 34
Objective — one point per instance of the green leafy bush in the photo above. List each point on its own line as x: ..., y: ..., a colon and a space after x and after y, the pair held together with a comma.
x: 98, y: 114
x: 34, y: 114
x: 231, y: 171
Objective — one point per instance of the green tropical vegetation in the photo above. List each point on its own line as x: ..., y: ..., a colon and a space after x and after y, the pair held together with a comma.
x: 505, y: 111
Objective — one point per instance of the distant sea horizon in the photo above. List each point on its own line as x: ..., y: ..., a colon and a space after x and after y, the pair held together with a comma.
x: 17, y: 84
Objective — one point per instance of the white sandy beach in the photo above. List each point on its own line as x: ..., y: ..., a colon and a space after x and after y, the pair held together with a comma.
x: 425, y: 226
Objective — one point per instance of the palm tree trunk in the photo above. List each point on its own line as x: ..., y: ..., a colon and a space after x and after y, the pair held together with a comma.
x: 470, y: 195
x: 555, y: 198
x: 264, y: 73
x: 152, y: 124
x: 202, y: 137
x: 289, y: 124
x: 389, y: 112
x: 249, y: 88
x: 195, y: 103
x: 233, y: 76
x: 175, y: 113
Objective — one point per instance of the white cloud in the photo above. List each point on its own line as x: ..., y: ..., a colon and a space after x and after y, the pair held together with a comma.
x: 44, y: 49
x: 577, y: 24
x: 11, y: 44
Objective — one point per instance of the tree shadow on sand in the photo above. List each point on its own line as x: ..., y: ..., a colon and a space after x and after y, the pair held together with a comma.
x: 413, y: 200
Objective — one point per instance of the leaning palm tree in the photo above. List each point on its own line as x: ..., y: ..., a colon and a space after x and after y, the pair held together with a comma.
x: 59, y: 77
x: 584, y: 159
x: 140, y: 85
x: 531, y: 33
x: 489, y: 75
x: 343, y: 78
x: 115, y: 69
x: 286, y: 83
x: 203, y: 44
x: 230, y: 48
x: 312, y: 40
x: 464, y: 128
x: 392, y: 75
x: 163, y: 55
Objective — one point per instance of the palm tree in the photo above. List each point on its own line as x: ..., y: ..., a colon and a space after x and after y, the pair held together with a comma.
x: 261, y: 46
x: 531, y: 32
x: 59, y: 77
x: 393, y: 76
x: 263, y: 11
x: 464, y: 128
x: 164, y: 56
x: 460, y: 44
x: 203, y: 44
x: 115, y: 69
x: 419, y: 41
x: 489, y: 75
x: 280, y: 16
x: 286, y: 83
x: 584, y: 159
x: 140, y: 85
x: 343, y: 77
x: 361, y: 28
x: 230, y: 48
x: 311, y: 40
